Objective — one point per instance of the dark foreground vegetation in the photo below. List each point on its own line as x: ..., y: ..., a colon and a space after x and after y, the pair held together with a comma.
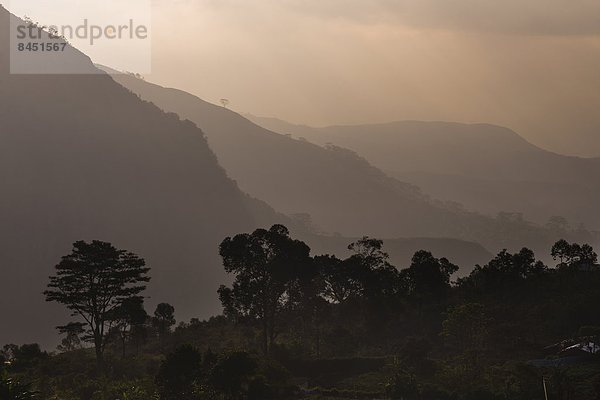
x: 297, y: 326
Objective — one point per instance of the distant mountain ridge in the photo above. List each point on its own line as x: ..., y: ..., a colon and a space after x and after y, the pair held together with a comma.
x: 339, y: 189
x: 485, y: 167
x: 82, y: 158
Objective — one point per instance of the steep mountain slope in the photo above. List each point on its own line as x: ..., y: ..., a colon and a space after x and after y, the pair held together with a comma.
x: 341, y: 191
x: 487, y: 168
x: 83, y: 158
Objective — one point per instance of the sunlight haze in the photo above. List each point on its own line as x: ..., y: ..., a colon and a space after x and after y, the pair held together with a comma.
x: 531, y: 66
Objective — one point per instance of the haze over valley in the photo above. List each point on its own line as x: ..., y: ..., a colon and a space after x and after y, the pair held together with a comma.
x: 302, y: 201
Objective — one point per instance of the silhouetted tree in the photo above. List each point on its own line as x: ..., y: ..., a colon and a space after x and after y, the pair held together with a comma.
x: 339, y: 279
x: 266, y: 265
x: 574, y: 255
x: 428, y: 278
x: 501, y: 275
x: 73, y: 332
x: 370, y: 250
x: 369, y: 265
x: 130, y: 315
x: 561, y: 251
x: 164, y: 319
x: 306, y: 307
x: 93, y: 282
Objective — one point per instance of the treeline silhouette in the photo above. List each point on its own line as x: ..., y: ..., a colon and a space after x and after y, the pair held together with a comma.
x: 297, y: 325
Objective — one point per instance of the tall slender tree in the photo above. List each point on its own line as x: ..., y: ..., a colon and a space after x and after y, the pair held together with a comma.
x: 163, y: 320
x: 93, y: 282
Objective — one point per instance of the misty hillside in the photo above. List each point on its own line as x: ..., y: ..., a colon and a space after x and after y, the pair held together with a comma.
x: 83, y: 158
x: 484, y: 167
x: 341, y: 191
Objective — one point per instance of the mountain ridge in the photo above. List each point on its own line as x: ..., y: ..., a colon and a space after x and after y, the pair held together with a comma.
x: 235, y: 141
x: 458, y: 162
x: 82, y: 158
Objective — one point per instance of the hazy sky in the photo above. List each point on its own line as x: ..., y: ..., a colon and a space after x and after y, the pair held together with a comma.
x: 531, y: 65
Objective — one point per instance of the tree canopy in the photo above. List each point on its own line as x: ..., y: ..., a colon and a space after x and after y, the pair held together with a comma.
x: 266, y: 265
x: 94, y: 282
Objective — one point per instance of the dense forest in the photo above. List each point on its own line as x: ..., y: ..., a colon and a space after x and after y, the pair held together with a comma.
x: 303, y: 326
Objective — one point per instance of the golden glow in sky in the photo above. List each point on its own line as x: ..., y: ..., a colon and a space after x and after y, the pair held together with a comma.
x: 531, y: 65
